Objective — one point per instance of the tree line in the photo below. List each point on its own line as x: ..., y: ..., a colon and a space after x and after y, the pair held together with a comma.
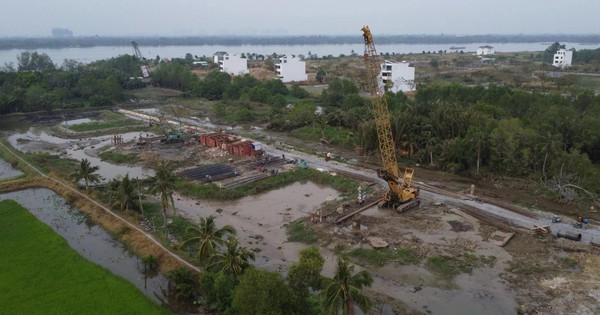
x: 37, y: 84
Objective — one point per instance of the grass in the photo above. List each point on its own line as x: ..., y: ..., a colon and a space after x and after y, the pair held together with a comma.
x: 47, y: 163
x: 298, y: 231
x: 335, y: 135
x: 380, y: 257
x: 213, y: 192
x: 41, y: 274
x: 588, y: 82
x: 99, y: 125
x: 450, y: 266
x: 119, y: 158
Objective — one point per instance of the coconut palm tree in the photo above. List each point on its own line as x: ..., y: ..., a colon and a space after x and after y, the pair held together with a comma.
x: 344, y: 290
x: 125, y: 194
x: 87, y: 172
x: 163, y: 183
x: 234, y: 260
x: 208, y: 236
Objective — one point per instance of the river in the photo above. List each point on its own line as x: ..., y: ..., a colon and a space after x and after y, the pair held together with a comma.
x: 90, y: 54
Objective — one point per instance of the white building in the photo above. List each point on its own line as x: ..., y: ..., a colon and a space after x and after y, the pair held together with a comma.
x: 563, y: 58
x: 291, y: 69
x: 485, y: 50
x: 233, y: 64
x: 398, y: 76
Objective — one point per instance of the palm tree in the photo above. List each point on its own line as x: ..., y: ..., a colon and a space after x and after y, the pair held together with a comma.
x: 234, y: 260
x: 87, y: 172
x: 209, y: 236
x: 125, y: 194
x: 344, y: 290
x: 549, y: 144
x: 163, y: 183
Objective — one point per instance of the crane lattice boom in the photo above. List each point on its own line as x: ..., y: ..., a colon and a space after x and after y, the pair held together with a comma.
x: 401, y: 195
x: 380, y: 107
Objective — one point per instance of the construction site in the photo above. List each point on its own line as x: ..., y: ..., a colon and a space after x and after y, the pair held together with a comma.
x: 436, y: 243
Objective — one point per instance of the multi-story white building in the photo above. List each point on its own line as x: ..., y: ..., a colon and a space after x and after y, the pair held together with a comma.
x: 485, y: 50
x: 233, y: 64
x: 563, y: 58
x: 291, y: 69
x: 398, y: 76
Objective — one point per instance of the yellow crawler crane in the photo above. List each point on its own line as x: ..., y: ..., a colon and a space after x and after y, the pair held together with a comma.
x: 402, y: 195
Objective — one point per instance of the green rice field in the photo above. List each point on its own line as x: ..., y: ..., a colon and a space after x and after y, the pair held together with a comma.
x: 41, y: 274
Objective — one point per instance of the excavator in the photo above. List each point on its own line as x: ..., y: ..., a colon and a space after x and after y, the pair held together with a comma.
x: 401, y: 195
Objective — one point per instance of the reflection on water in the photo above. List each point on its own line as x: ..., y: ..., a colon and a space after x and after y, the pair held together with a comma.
x: 89, y: 240
x: 76, y: 121
x: 7, y: 171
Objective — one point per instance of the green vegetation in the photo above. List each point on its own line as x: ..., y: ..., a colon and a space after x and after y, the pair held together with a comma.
x: 99, y: 125
x: 41, y: 262
x: 299, y: 231
x: 213, y: 192
x: 47, y: 163
x: 119, y: 158
x: 450, y: 266
x: 380, y: 257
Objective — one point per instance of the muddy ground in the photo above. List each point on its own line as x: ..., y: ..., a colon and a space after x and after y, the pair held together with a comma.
x: 531, y: 274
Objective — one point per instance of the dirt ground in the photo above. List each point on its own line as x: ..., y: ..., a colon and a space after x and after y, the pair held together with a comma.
x: 531, y: 274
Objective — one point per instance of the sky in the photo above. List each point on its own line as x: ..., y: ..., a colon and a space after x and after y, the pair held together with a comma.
x: 36, y: 18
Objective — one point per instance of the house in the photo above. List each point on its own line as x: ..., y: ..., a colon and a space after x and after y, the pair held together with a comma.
x: 233, y: 64
x: 219, y: 56
x: 485, y: 50
x: 397, y: 76
x: 563, y: 58
x: 291, y: 69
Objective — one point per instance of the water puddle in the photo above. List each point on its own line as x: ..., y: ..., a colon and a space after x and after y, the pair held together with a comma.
x: 89, y: 240
x: 76, y: 121
x: 7, y: 171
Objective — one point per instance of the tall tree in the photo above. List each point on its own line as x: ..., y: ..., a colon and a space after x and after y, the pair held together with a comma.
x: 87, y: 172
x: 234, y: 260
x: 208, y: 236
x: 305, y: 275
x: 163, y: 184
x: 345, y: 289
x: 125, y: 194
x: 262, y: 292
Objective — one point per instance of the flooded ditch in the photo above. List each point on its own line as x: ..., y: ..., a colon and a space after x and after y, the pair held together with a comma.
x: 90, y: 240
x: 7, y: 171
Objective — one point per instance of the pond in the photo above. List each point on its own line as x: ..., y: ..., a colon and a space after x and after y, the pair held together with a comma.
x: 89, y: 240
x: 7, y: 171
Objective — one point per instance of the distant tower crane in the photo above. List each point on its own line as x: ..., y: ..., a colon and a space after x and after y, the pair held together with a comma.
x: 401, y: 195
x: 138, y: 55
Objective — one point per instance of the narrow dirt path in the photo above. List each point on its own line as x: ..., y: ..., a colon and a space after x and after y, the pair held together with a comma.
x: 106, y: 210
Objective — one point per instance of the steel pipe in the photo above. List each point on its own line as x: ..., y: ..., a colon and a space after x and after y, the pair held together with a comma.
x: 569, y: 235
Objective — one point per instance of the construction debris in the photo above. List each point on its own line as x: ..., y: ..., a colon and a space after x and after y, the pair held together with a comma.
x: 378, y: 242
x: 541, y: 230
x: 500, y: 238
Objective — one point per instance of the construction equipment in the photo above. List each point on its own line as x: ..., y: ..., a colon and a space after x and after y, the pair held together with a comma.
x: 401, y: 195
x: 172, y: 134
x: 138, y: 55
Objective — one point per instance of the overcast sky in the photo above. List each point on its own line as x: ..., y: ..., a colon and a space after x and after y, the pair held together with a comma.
x: 297, y: 17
